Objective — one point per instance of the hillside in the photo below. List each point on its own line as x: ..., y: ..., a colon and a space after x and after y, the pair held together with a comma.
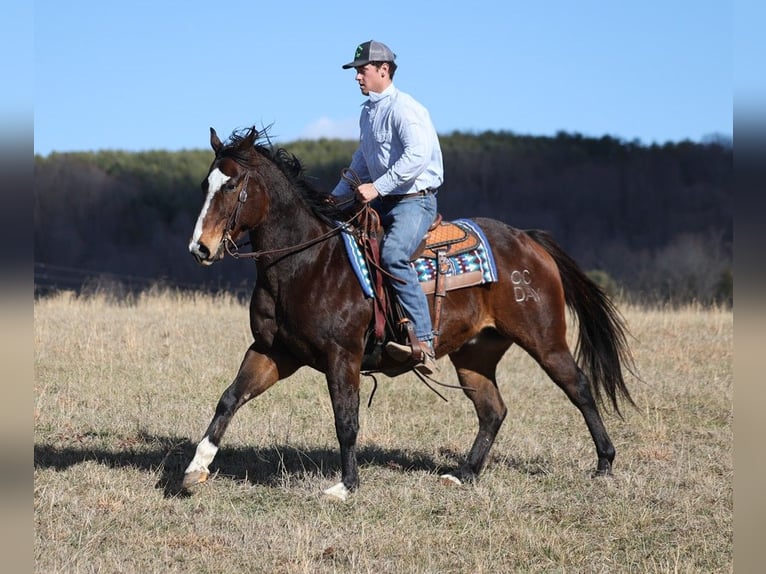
x: 654, y: 222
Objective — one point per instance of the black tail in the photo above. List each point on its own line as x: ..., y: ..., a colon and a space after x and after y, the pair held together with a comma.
x: 602, y: 346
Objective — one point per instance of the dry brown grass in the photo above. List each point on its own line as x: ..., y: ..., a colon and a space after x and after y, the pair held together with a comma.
x: 122, y: 393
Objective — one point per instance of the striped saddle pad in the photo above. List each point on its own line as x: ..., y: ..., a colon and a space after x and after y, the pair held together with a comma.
x: 468, y: 257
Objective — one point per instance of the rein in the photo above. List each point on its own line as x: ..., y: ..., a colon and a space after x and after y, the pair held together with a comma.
x: 233, y: 249
x: 366, y: 217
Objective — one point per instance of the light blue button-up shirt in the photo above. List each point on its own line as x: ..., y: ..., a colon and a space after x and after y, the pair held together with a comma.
x: 398, y: 149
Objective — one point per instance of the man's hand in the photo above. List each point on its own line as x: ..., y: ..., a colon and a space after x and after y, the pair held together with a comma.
x: 367, y: 192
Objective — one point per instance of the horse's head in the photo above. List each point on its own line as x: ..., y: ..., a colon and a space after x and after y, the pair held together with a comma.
x: 235, y: 198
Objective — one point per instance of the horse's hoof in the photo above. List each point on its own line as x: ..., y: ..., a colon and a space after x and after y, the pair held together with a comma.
x: 604, y: 469
x: 337, y: 492
x: 194, y: 478
x: 450, y: 480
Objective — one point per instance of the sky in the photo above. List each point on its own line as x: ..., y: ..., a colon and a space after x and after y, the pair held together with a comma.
x: 147, y: 75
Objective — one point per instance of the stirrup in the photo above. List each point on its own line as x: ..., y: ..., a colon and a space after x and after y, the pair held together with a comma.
x: 427, y: 365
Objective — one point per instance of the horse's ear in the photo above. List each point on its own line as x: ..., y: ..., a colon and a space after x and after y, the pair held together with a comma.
x: 215, y: 142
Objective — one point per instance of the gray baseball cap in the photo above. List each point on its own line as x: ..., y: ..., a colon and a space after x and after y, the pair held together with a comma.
x: 371, y: 51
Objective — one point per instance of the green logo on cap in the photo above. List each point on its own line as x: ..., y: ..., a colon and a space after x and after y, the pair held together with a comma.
x: 358, y: 51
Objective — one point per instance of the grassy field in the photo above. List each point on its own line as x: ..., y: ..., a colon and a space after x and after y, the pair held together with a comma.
x: 123, y: 392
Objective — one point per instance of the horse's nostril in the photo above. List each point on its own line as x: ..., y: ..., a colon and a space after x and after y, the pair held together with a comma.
x: 200, y: 251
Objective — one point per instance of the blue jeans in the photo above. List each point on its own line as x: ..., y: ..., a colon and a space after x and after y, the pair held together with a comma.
x: 405, y: 222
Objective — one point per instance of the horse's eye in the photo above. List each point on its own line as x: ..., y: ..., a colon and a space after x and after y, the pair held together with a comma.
x: 229, y: 187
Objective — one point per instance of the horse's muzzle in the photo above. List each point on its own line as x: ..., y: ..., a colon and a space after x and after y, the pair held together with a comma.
x: 202, y: 254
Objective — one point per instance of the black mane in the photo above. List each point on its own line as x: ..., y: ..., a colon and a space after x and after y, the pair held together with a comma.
x: 241, y: 146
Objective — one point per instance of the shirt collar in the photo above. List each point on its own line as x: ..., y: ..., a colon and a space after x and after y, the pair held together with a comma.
x: 375, y: 97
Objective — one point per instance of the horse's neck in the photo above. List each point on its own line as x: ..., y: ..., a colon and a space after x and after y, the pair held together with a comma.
x: 290, y: 222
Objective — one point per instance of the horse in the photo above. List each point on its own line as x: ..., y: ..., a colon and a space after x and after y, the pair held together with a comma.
x: 307, y: 309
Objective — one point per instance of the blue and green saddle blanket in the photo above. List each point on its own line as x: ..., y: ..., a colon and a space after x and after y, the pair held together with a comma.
x: 465, y: 269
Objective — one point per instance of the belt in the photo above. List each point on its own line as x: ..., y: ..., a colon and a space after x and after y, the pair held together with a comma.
x: 406, y: 196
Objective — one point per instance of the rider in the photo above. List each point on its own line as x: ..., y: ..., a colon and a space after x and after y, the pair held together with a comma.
x: 399, y: 161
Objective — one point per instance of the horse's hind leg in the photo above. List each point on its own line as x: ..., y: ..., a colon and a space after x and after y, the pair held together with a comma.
x: 476, y: 364
x: 256, y: 374
x: 562, y: 368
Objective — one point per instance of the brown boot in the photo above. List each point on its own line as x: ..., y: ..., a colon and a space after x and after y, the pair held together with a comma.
x: 426, y: 365
x: 398, y: 352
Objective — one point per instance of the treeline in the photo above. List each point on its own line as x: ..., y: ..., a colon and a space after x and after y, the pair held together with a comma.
x: 650, y: 223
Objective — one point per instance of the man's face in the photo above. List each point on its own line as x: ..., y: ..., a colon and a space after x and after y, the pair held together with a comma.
x: 372, y: 79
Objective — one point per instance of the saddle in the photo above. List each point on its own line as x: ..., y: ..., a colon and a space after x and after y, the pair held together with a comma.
x: 444, y: 236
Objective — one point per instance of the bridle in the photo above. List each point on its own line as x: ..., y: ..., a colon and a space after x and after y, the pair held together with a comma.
x: 234, y: 215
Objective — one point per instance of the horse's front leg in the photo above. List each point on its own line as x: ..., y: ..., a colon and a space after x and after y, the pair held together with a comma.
x: 343, y: 383
x: 256, y: 374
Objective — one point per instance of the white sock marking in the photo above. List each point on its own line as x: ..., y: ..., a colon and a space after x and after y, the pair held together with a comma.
x: 338, y: 491
x: 204, y: 455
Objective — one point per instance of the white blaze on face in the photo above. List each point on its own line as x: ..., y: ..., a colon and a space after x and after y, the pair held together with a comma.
x: 215, y: 181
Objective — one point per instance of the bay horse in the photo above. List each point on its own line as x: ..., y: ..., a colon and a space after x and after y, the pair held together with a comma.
x: 307, y: 309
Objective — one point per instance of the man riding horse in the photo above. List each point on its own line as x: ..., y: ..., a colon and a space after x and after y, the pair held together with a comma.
x: 399, y: 164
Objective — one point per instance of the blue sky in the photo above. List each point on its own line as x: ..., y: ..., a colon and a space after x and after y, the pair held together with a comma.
x: 156, y: 74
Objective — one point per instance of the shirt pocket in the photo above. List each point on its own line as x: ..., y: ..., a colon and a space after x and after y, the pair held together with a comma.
x: 382, y: 134
x: 381, y: 127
